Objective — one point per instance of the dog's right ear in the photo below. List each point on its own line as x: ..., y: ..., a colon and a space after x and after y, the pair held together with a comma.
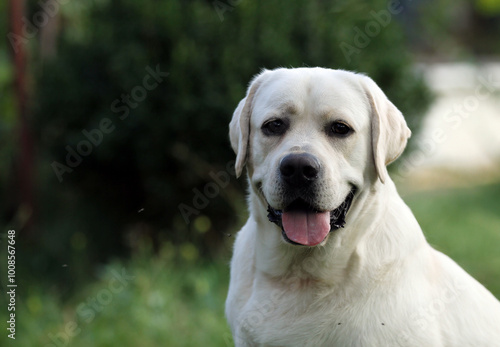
x: 239, y: 128
x: 389, y: 130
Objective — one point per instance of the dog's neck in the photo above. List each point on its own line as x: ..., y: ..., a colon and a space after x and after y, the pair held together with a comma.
x: 372, y: 231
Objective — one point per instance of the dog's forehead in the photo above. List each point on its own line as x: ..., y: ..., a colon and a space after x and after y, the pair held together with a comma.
x: 319, y: 91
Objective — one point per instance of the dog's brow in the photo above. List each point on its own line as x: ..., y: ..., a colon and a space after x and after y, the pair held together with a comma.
x: 335, y: 113
x: 288, y: 108
x: 329, y: 114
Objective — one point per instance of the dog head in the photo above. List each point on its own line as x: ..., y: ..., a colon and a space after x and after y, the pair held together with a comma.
x: 311, y: 138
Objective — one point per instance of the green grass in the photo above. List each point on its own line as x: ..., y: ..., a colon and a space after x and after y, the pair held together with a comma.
x: 147, y: 301
x: 164, y: 304
x: 465, y: 225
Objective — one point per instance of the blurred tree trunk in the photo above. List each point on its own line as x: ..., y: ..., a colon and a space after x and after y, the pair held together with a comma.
x: 24, y: 162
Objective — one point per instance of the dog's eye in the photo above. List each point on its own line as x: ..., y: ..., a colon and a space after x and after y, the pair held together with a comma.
x: 275, y: 127
x: 340, y: 128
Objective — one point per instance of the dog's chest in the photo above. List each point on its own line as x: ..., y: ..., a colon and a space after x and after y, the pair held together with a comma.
x: 304, y: 318
x: 292, y: 318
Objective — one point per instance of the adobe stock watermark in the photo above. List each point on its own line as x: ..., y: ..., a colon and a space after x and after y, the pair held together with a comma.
x: 48, y: 10
x: 222, y: 7
x: 93, y: 137
x: 362, y: 38
x: 201, y: 199
x: 455, y: 117
x: 90, y: 308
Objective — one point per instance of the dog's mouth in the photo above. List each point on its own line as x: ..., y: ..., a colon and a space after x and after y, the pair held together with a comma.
x: 302, y: 224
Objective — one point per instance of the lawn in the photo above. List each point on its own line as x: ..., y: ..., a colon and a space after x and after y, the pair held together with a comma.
x: 465, y: 225
x: 151, y: 301
x: 146, y: 301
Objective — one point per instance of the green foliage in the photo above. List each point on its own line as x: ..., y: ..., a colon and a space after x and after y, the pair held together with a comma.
x: 451, y: 30
x: 161, y: 150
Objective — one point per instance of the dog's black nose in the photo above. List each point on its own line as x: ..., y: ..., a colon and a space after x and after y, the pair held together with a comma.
x: 299, y: 169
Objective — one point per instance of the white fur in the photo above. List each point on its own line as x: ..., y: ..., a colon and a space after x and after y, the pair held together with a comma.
x: 376, y: 282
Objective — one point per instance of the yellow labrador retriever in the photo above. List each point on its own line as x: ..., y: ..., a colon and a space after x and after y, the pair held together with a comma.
x: 331, y: 255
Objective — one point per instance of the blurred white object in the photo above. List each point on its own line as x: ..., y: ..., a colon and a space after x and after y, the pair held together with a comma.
x: 461, y: 131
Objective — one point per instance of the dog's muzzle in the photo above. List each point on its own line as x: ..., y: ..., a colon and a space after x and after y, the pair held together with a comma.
x: 301, y: 224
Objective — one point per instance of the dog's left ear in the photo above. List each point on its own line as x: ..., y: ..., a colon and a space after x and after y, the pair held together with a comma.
x: 389, y: 130
x: 239, y: 128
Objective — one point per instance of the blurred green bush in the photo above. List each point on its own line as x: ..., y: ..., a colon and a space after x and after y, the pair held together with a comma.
x: 161, y: 143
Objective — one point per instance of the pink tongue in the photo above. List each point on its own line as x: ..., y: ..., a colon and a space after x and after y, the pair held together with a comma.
x: 306, y: 228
